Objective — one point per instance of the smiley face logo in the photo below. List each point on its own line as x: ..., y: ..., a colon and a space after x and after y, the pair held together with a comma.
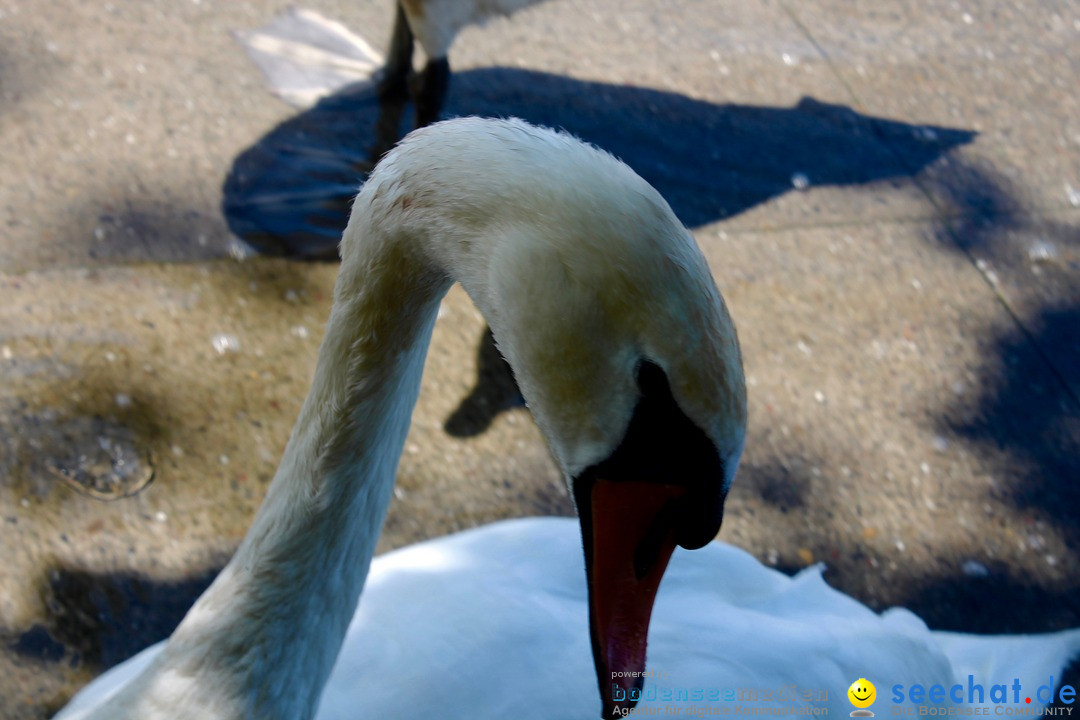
x: 862, y: 694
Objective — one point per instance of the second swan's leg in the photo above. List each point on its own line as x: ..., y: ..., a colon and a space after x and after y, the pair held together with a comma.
x: 430, y: 90
x: 394, y: 86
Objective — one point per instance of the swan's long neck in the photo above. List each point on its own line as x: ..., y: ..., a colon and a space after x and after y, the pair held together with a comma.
x: 263, y: 639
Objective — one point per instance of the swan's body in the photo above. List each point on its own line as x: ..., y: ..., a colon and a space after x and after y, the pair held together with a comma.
x: 436, y: 23
x: 605, y: 308
x: 511, y: 605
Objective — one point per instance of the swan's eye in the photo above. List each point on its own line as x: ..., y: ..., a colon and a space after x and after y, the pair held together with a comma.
x: 662, y: 445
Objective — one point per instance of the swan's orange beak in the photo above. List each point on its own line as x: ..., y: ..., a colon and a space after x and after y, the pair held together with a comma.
x: 629, y: 533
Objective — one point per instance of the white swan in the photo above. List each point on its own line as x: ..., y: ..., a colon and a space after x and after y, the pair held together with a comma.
x: 620, y: 340
x: 605, y: 308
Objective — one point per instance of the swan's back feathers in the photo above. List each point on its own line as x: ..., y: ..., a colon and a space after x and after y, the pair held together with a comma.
x: 507, y: 601
x: 436, y: 23
x: 1040, y: 657
x: 492, y: 623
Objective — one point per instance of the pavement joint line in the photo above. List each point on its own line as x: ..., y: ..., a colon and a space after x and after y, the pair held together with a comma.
x: 837, y: 75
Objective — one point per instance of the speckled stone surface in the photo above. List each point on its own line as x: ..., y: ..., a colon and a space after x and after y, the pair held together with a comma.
x: 888, y: 194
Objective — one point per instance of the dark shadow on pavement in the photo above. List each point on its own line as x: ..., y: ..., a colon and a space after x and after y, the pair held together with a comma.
x: 1027, y: 407
x: 1026, y: 412
x: 1039, y: 257
x: 290, y: 193
x: 101, y: 619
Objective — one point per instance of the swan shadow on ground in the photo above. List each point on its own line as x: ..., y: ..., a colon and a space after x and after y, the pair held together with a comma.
x: 494, y: 392
x: 289, y: 194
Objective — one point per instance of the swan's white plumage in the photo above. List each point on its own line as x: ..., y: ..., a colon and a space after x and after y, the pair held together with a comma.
x: 306, y: 56
x: 492, y: 623
x: 436, y: 23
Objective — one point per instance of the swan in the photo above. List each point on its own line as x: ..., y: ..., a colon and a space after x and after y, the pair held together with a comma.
x: 622, y: 347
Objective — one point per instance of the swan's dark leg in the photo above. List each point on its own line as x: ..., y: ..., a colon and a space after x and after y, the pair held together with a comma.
x: 394, y: 86
x: 399, y: 58
x: 430, y: 91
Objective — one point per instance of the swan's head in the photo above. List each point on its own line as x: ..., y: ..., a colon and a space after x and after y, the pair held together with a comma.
x: 629, y: 361
x: 604, y: 306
